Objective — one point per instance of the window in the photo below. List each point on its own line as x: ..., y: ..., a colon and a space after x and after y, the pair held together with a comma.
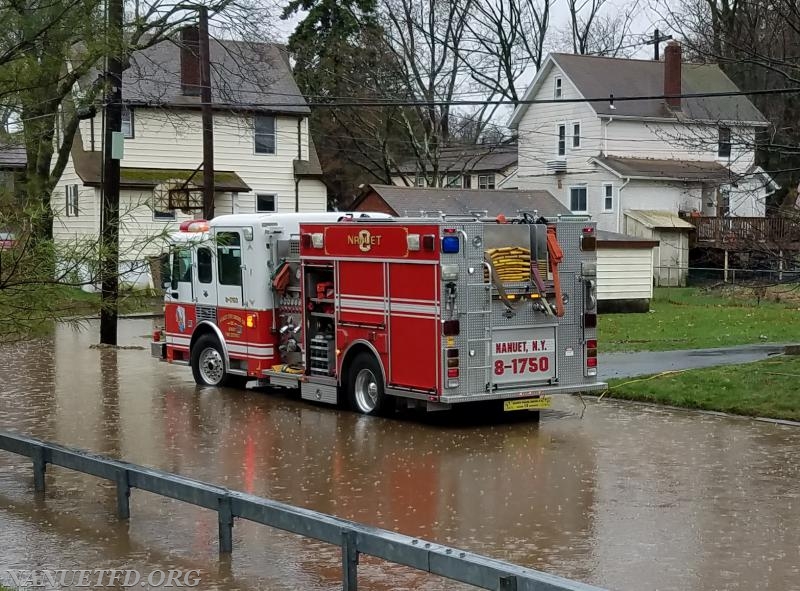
x: 229, y: 258
x: 562, y: 139
x: 608, y: 197
x: 204, y: 265
x: 127, y: 122
x: 724, y: 150
x: 181, y: 266
x: 577, y: 199
x: 419, y: 181
x: 557, y: 93
x: 265, y: 134
x: 466, y: 181
x: 576, y: 135
x: 163, y: 215
x: 266, y: 203
x: 72, y: 201
x: 486, y: 181
x: 453, y: 180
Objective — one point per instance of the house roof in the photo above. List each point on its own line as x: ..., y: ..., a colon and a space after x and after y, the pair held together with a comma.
x: 472, y: 158
x: 244, y: 75
x: 12, y: 156
x: 88, y: 167
x: 608, y: 240
x: 596, y: 77
x: 657, y: 219
x: 462, y: 201
x: 310, y: 167
x: 673, y: 170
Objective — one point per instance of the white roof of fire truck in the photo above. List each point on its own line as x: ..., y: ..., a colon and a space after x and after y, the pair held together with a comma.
x: 197, y: 230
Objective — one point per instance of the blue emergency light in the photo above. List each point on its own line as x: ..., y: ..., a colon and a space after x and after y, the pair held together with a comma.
x: 450, y: 244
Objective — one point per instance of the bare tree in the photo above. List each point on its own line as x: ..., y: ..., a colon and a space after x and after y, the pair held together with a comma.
x: 757, y: 44
x: 426, y: 39
x: 505, y: 39
x: 594, y: 32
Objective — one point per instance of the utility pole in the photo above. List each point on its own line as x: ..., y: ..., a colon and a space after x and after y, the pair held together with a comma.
x: 207, y: 117
x: 655, y: 41
x: 109, y: 220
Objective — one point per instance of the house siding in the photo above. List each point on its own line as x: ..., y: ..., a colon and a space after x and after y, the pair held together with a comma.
x: 662, y: 140
x: 173, y: 139
x: 538, y: 134
x: 499, y: 175
x: 374, y: 203
x: 624, y: 273
x: 86, y: 225
x: 662, y: 195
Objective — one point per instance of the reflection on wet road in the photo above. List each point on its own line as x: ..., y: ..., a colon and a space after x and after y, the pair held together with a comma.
x: 626, y: 497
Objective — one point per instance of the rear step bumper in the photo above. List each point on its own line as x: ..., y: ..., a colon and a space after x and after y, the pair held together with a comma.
x: 511, y: 395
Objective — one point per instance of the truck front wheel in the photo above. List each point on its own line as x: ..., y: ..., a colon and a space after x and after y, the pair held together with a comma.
x: 365, y: 387
x: 208, y: 362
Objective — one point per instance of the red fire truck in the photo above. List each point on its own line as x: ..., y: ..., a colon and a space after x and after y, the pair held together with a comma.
x: 375, y: 310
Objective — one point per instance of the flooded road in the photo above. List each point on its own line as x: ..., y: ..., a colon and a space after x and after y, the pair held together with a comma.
x: 624, y: 497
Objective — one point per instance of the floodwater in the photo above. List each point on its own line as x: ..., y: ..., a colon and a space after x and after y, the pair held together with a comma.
x: 621, y: 496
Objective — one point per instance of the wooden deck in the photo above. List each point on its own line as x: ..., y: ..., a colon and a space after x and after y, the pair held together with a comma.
x: 740, y: 233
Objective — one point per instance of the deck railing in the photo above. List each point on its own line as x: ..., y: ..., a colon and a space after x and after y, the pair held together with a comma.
x: 743, y: 230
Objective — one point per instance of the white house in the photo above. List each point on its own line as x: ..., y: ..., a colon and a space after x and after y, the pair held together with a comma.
x: 474, y: 166
x: 606, y: 157
x: 264, y: 159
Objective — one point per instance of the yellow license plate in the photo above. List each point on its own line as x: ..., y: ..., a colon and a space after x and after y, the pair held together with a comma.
x: 527, y: 403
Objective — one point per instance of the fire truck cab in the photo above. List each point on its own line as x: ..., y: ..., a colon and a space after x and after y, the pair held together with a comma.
x: 373, y: 310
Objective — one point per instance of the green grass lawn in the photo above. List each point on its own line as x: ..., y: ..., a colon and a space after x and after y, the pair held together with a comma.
x: 690, y: 318
x: 765, y: 388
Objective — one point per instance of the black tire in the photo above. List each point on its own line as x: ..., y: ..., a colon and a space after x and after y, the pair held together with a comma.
x: 365, y: 388
x: 208, y: 363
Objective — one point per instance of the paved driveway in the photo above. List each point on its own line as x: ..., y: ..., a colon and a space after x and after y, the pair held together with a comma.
x: 624, y: 365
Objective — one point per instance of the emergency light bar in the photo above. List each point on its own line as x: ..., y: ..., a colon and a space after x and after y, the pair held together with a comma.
x: 194, y: 226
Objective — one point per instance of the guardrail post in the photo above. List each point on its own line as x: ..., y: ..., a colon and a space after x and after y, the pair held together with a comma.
x: 225, y: 517
x: 39, y: 467
x: 508, y: 583
x: 349, y: 561
x: 123, y: 495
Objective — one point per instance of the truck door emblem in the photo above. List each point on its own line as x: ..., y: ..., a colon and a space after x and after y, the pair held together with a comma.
x: 180, y: 316
x: 364, y: 239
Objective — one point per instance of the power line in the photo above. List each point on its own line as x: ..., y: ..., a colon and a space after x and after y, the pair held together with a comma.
x: 611, y: 98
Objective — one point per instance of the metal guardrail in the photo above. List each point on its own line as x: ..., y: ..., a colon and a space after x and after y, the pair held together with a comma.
x: 352, y: 537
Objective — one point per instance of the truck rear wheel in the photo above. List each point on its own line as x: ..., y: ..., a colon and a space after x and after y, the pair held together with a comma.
x: 365, y: 387
x: 208, y: 363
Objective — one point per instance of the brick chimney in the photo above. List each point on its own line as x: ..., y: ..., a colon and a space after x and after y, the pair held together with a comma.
x: 672, y: 74
x: 190, y: 61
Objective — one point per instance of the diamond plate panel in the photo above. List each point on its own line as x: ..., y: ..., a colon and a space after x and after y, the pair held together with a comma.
x: 480, y: 313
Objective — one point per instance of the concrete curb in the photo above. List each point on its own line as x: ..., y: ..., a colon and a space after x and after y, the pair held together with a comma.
x: 713, y: 413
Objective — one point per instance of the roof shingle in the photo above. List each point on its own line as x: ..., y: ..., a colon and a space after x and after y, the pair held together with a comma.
x: 253, y: 76
x: 412, y: 200
x: 472, y: 158
x: 603, y: 76
x: 657, y: 169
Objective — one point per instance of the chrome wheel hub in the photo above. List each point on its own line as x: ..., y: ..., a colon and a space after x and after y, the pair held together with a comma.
x: 366, y: 391
x: 212, y: 368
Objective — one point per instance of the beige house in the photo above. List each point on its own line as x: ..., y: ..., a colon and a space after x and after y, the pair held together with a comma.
x: 264, y: 158
x: 476, y: 166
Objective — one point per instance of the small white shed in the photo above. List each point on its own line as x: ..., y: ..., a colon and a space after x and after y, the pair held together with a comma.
x: 671, y: 256
x: 624, y: 272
